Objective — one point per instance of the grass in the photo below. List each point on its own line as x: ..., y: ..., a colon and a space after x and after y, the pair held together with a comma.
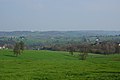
x: 56, y: 65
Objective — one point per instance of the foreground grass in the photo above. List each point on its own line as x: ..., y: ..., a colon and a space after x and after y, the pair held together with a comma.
x: 53, y: 65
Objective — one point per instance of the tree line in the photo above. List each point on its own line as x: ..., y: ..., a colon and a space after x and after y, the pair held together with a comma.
x: 105, y: 47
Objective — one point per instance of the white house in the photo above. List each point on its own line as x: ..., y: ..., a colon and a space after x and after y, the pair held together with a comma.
x: 0, y: 47
x: 119, y: 45
x: 3, y: 47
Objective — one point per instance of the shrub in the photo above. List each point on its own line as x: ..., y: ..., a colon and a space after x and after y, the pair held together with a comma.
x: 83, y: 56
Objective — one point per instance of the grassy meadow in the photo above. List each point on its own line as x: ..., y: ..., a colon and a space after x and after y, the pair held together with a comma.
x: 58, y: 65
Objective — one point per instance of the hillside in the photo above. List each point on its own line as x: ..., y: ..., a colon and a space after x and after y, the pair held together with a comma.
x: 59, y: 33
x: 55, y: 65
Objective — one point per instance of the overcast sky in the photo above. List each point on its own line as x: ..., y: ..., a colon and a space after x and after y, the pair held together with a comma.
x: 60, y: 15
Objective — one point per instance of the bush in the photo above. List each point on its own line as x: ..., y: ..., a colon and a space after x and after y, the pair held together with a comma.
x: 83, y: 56
x: 71, y: 53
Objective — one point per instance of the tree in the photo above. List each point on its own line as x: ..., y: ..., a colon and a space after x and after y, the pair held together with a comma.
x: 21, y: 43
x: 84, y: 52
x: 16, y: 49
x: 83, y: 56
x: 117, y: 48
x: 70, y: 49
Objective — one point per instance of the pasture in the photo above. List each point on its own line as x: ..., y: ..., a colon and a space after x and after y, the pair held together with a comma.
x: 58, y: 65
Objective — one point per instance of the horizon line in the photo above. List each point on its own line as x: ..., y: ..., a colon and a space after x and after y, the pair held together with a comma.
x: 51, y: 30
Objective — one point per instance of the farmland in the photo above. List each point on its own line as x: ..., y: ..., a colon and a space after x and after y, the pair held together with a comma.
x: 58, y: 65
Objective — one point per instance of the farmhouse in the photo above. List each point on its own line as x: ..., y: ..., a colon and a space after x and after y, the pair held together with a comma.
x: 3, y: 47
x: 0, y: 47
x: 119, y: 44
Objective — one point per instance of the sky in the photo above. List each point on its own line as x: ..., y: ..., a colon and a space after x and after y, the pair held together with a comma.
x: 59, y: 15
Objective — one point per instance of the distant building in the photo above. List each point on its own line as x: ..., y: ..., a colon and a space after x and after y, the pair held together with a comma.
x: 97, y: 41
x: 119, y: 44
x: 3, y: 46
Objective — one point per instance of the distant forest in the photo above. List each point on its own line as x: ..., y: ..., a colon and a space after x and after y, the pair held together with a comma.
x: 88, y: 41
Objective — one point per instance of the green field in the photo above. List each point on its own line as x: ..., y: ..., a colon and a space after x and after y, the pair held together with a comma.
x: 55, y: 65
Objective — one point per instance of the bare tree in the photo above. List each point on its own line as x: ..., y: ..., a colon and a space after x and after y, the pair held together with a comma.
x: 16, y: 49
x: 21, y: 43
